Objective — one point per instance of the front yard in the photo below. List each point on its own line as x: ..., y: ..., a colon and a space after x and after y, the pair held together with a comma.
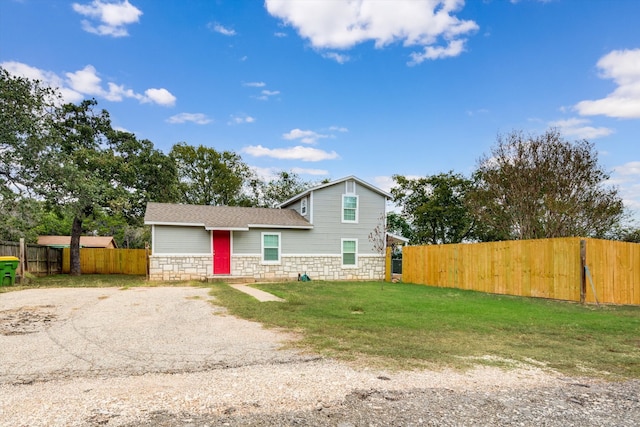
x: 401, y: 325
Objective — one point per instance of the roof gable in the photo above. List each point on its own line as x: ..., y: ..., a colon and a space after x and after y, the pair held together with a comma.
x: 332, y: 183
x: 222, y: 217
x: 85, y: 241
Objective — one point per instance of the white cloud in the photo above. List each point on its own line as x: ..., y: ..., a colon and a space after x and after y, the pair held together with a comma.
x: 344, y: 24
x: 338, y: 129
x: 385, y: 183
x: 197, y: 118
x: 269, y: 174
x: 254, y: 84
x: 628, y: 169
x: 627, y: 178
x: 305, y: 136
x: 159, y: 96
x: 623, y: 67
x: 266, y: 174
x: 266, y: 94
x: 280, y: 34
x: 238, y: 120
x: 218, y: 28
x: 85, y: 83
x: 453, y: 48
x: 305, y: 154
x: 109, y: 18
x: 472, y: 113
x: 580, y: 128
x: 47, y: 78
x: 340, y: 58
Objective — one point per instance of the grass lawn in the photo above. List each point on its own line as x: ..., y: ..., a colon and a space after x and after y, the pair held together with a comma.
x: 89, y: 281
x: 403, y: 326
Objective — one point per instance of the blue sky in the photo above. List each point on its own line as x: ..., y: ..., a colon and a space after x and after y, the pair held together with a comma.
x: 331, y: 88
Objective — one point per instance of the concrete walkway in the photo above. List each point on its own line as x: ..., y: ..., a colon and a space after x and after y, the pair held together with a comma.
x: 261, y: 296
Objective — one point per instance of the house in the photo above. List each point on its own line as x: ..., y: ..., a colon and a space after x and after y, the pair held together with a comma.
x: 106, y: 242
x: 323, y: 232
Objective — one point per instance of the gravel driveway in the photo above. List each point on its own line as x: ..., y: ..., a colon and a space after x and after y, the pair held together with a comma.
x: 168, y: 357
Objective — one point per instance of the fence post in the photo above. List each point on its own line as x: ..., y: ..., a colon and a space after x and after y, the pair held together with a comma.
x: 387, y: 265
x: 22, y: 265
x: 583, y: 267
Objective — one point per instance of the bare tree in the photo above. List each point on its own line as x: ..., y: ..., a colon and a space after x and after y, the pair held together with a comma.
x: 542, y: 186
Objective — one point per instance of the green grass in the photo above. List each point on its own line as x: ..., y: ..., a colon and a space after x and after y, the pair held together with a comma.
x: 402, y: 326
x: 89, y: 281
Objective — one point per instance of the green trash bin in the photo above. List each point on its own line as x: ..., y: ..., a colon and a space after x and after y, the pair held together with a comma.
x: 8, y: 266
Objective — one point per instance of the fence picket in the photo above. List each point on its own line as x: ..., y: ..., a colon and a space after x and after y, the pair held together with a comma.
x: 545, y: 268
x: 108, y: 261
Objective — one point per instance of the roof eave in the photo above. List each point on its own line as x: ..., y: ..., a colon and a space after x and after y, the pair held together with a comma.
x: 338, y: 181
x: 299, y: 227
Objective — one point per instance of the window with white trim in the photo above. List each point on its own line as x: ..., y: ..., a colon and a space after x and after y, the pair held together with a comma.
x: 303, y: 206
x: 271, y: 248
x: 349, y: 208
x: 349, y: 252
x: 350, y: 187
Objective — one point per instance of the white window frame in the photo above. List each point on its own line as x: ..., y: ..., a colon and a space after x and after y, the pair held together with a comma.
x: 350, y: 187
x: 270, y: 262
x: 303, y: 206
x: 355, y: 265
x: 349, y: 221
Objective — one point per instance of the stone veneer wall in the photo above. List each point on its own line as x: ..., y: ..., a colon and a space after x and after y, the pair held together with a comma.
x: 196, y: 267
x: 316, y: 267
x: 180, y: 267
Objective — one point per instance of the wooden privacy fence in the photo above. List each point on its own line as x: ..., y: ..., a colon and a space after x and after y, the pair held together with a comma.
x: 545, y: 268
x: 108, y: 261
x: 40, y: 260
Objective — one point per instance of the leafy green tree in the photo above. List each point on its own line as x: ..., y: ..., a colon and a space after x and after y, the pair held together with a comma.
x: 144, y: 173
x: 542, y: 186
x: 26, y: 114
x: 632, y: 235
x: 90, y: 171
x: 284, y: 187
x: 78, y: 168
x: 396, y: 224
x: 126, y: 235
x: 628, y: 233
x: 435, y: 207
x: 19, y: 218
x: 53, y: 223
x: 209, y: 177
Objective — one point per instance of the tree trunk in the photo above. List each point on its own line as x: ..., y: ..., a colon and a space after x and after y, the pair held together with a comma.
x: 76, y: 232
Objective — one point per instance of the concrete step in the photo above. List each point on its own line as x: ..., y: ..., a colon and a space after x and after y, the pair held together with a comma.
x: 231, y: 280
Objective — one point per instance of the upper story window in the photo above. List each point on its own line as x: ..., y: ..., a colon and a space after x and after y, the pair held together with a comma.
x: 350, y: 187
x: 303, y: 206
x: 349, y: 208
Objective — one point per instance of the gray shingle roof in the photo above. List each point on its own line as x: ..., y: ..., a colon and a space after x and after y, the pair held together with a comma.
x: 223, y: 217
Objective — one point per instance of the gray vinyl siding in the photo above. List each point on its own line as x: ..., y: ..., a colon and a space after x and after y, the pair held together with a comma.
x: 297, y: 206
x: 293, y: 242
x: 328, y: 228
x: 181, y: 240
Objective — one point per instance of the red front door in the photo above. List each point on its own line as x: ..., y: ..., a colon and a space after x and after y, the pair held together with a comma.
x: 221, y: 252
